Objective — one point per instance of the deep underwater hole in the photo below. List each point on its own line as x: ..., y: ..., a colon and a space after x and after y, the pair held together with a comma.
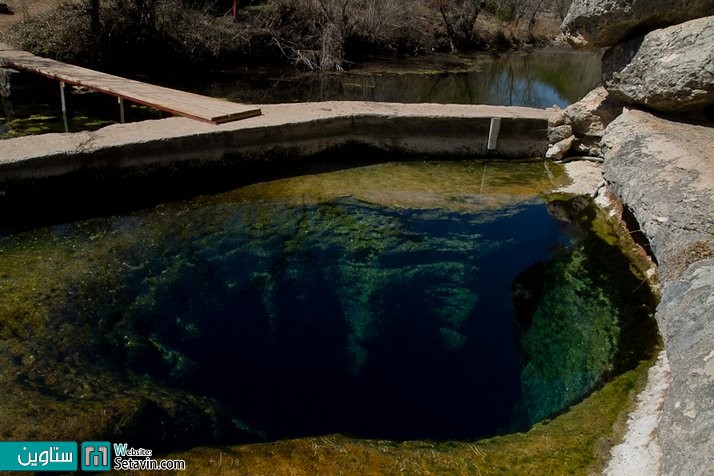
x: 390, y: 301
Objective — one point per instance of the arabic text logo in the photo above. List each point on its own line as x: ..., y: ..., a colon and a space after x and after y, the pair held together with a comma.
x: 38, y: 456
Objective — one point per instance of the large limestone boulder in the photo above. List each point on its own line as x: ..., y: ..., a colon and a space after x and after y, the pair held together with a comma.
x: 598, y: 23
x: 671, y: 69
x: 584, y: 120
x: 589, y: 116
x: 664, y: 172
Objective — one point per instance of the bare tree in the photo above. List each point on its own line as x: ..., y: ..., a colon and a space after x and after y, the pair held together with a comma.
x: 94, y: 18
x: 527, y: 11
x: 320, y: 44
x: 459, y: 20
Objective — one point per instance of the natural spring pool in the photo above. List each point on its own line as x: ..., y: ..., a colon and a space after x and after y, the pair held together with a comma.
x: 414, y: 300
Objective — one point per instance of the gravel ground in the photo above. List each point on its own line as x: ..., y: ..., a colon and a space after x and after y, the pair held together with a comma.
x: 24, y: 9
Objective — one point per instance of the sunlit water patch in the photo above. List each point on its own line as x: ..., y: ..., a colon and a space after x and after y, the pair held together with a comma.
x: 403, y: 301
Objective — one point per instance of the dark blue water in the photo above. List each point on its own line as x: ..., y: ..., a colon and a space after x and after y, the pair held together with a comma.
x: 344, y: 316
x: 306, y: 310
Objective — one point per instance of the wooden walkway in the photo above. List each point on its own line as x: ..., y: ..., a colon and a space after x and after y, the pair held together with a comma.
x: 181, y: 103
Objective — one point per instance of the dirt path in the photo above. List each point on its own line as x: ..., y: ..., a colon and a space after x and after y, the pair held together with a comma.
x: 24, y: 9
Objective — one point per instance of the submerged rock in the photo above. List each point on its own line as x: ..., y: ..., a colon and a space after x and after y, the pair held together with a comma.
x: 306, y: 305
x: 607, y: 22
x: 50, y: 400
x: 565, y: 305
x: 668, y: 70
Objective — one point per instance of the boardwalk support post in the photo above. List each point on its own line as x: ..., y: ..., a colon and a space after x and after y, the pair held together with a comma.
x: 5, y: 91
x: 121, y: 109
x: 64, y: 107
x: 180, y: 103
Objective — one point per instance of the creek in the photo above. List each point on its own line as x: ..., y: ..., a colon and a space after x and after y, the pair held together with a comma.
x: 539, y: 78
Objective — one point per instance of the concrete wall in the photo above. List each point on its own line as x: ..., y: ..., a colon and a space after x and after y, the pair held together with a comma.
x: 285, y: 131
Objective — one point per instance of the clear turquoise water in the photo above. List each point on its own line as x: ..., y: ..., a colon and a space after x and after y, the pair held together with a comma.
x: 397, y: 301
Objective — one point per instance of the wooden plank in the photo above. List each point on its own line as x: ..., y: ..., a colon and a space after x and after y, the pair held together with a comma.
x: 181, y: 103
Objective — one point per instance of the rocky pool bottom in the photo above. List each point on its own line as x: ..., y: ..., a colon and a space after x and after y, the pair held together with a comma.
x: 421, y: 301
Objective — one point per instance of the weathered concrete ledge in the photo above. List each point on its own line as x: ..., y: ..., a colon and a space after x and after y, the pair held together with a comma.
x: 664, y: 173
x: 283, y: 130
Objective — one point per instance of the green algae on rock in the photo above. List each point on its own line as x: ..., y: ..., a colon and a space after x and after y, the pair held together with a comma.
x: 382, y: 274
x: 584, y: 324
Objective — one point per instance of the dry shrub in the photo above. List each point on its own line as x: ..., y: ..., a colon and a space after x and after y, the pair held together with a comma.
x: 404, y: 26
x: 318, y: 33
x: 130, y: 32
x: 62, y: 34
x: 459, y: 18
x: 196, y: 33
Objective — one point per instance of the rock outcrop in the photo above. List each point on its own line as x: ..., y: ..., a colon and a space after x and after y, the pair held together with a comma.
x: 661, y: 58
x: 671, y: 69
x: 607, y: 22
x: 664, y: 172
x: 590, y: 116
x: 578, y: 129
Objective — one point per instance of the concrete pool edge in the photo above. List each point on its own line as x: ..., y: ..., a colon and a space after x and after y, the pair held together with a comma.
x: 305, y: 129
x: 285, y: 129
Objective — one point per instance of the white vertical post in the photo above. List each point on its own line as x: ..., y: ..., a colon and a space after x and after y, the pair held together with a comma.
x: 493, y: 133
x: 121, y: 110
x: 64, y: 107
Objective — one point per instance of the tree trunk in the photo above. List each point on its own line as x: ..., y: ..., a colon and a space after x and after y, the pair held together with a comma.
x: 94, y: 20
x: 460, y: 23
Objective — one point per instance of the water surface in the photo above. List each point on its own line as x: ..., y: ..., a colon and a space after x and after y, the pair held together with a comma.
x: 416, y: 300
x: 539, y: 78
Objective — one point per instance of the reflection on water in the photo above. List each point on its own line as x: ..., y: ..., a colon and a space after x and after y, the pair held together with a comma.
x: 541, y: 78
x: 429, y: 300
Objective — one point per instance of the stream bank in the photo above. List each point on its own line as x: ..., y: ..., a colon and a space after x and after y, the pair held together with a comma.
x: 658, y: 160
